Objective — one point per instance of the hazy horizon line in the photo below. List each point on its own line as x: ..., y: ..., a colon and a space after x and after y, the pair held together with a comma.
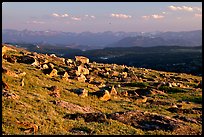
x: 102, y: 31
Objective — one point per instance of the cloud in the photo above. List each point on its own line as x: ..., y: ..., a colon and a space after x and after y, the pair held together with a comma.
x: 58, y: 15
x: 154, y: 16
x: 182, y: 8
x: 198, y: 9
x: 198, y: 15
x: 55, y: 14
x: 93, y: 17
x: 90, y: 16
x: 122, y: 16
x: 145, y: 17
x: 76, y: 18
x: 35, y: 22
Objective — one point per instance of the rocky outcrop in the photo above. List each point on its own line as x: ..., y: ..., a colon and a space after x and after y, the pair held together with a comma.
x: 103, y: 95
x: 81, y: 92
x: 82, y: 59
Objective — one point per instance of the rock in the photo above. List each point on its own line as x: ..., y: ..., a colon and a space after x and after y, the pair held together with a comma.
x: 28, y: 127
x: 82, y: 59
x: 73, y: 108
x: 53, y: 55
x: 26, y: 59
x: 54, y: 91
x: 169, y: 84
x: 82, y: 92
x: 9, y: 73
x: 53, y: 73
x: 81, y: 78
x: 103, y: 95
x: 174, y: 84
x: 82, y: 70
x: 132, y: 93
x: 114, y: 74
x: 200, y: 84
x: 108, y: 69
x: 22, y: 82
x: 141, y: 99
x: 174, y: 106
x: 113, y: 91
x: 106, y: 96
x: 126, y: 69
x: 22, y: 74
x: 124, y: 93
x: 11, y: 59
x: 51, y: 65
x: 5, y: 48
x: 35, y: 63
x: 65, y: 75
x: 5, y: 85
x: 123, y: 75
x: 9, y: 95
x: 45, y: 66
x: 90, y: 78
x: 154, y: 91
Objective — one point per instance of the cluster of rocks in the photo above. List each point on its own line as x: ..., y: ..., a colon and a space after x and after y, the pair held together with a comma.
x: 138, y: 119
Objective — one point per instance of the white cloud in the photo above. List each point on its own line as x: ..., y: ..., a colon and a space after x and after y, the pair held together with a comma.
x: 198, y: 15
x: 55, y: 14
x: 123, y: 16
x: 198, y: 9
x: 145, y: 17
x: 93, y: 17
x: 182, y: 8
x: 35, y: 22
x: 90, y: 16
x: 76, y: 18
x: 156, y: 16
x: 62, y: 15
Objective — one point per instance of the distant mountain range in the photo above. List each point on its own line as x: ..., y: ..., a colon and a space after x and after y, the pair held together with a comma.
x: 89, y: 40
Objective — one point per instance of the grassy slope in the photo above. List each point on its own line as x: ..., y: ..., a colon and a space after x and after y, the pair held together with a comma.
x: 35, y: 105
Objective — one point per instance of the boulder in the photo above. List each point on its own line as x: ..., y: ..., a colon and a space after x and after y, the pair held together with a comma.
x: 45, y: 66
x: 27, y: 59
x: 141, y: 99
x: 54, y: 91
x: 82, y: 70
x: 82, y: 92
x: 6, y: 48
x: 22, y: 82
x: 11, y: 59
x: 81, y: 78
x: 114, y: 74
x: 50, y: 72
x: 124, y: 74
x: 103, y: 95
x: 82, y: 59
x: 174, y: 84
x: 124, y: 93
x: 64, y: 75
x: 200, y: 84
x: 113, y: 91
x: 68, y: 62
x: 51, y: 65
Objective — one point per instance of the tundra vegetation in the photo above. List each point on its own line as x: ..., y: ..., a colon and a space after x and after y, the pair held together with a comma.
x: 46, y: 94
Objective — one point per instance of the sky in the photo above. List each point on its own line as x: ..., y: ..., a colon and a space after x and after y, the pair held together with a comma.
x: 102, y: 16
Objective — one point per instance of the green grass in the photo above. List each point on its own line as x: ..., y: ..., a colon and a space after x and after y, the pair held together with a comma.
x: 35, y: 104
